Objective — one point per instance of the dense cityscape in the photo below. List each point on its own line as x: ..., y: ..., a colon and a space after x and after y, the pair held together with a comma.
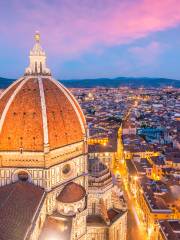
x: 124, y: 182
x: 146, y: 161
x: 90, y: 120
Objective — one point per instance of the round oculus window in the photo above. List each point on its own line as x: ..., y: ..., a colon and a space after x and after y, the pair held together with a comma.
x: 23, y: 176
x: 66, y: 170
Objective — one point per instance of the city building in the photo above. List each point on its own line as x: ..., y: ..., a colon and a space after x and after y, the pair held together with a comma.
x: 168, y: 230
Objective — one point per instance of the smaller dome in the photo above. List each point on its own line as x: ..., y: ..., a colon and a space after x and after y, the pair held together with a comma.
x: 72, y: 192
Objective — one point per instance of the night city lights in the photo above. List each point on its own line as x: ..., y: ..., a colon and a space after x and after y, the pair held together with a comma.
x: 90, y: 120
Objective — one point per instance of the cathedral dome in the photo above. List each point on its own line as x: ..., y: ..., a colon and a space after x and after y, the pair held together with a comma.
x: 71, y: 193
x: 37, y: 112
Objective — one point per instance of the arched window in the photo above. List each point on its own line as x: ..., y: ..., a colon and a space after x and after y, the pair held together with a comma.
x: 35, y: 67
x: 23, y: 176
x: 66, y: 169
x: 40, y: 67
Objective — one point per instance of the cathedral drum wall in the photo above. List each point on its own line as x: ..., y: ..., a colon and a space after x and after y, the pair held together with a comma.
x: 21, y: 159
x: 46, y: 178
x: 65, y: 171
x: 62, y: 154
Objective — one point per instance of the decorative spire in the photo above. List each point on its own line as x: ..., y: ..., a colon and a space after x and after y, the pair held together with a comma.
x: 37, y: 37
x: 37, y: 58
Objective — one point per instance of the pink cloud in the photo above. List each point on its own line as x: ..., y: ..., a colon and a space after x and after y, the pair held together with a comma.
x: 74, y: 27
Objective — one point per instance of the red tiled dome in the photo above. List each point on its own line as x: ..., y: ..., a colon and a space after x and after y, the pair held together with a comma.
x: 38, y: 111
x: 71, y: 193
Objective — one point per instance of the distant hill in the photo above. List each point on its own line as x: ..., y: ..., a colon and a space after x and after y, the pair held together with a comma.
x: 122, y: 81
x: 5, y: 82
x: 114, y: 82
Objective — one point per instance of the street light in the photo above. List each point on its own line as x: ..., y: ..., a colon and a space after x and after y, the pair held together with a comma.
x: 149, y: 232
x: 135, y: 178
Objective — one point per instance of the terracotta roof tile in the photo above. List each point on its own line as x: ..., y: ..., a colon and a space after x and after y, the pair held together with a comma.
x: 4, y: 98
x: 72, y: 192
x: 18, y: 204
x: 63, y: 124
x: 23, y: 125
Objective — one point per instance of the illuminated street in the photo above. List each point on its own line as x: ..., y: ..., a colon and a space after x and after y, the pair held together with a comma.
x: 134, y: 227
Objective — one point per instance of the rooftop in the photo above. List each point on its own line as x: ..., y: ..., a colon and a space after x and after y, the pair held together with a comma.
x: 72, y: 192
x: 170, y: 229
x: 57, y: 226
x: 19, y: 206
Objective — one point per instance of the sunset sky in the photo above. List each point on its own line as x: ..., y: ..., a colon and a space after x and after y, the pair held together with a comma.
x: 93, y: 38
